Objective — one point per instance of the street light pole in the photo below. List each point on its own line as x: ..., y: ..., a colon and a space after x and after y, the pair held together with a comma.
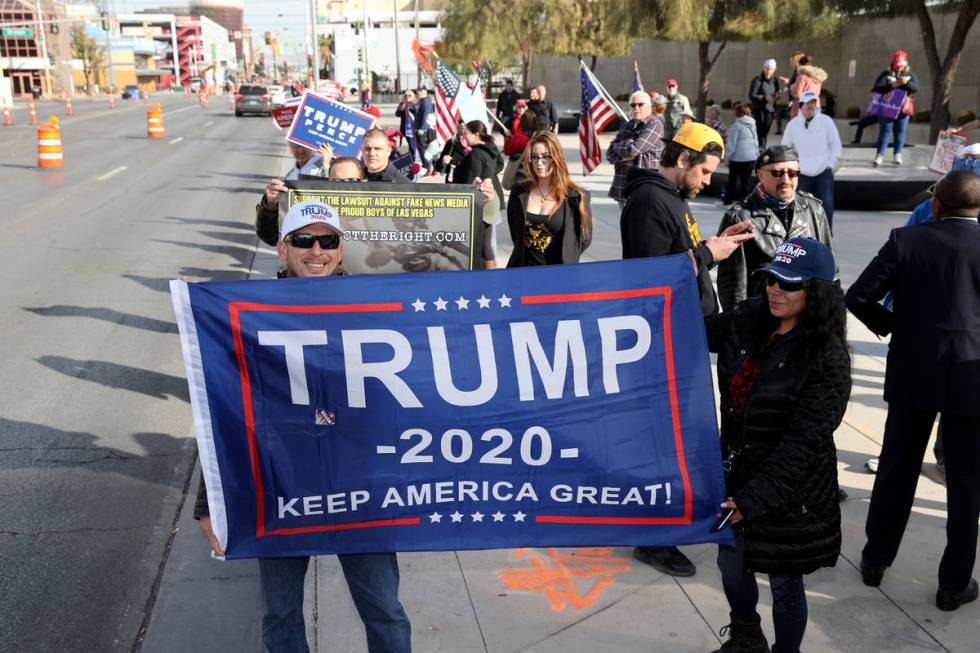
x: 398, y: 50
x: 108, y: 51
x: 314, y: 43
x: 367, y: 68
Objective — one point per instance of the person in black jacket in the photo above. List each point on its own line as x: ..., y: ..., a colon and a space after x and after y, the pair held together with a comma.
x: 543, y: 109
x: 452, y: 154
x: 505, y: 103
x: 657, y: 221
x: 899, y: 76
x: 483, y: 162
x: 933, y: 272
x: 376, y: 150
x: 549, y: 215
x: 762, y: 94
x: 784, y: 380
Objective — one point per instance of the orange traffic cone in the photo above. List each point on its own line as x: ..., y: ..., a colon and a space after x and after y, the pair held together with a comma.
x: 204, y: 101
x: 6, y: 115
x: 30, y: 106
x: 68, y: 109
x: 49, y: 154
x: 146, y: 97
x: 112, y: 100
x: 154, y: 122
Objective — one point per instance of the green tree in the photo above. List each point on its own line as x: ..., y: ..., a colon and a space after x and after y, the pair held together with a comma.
x: 588, y: 28
x: 719, y: 21
x: 499, y: 32
x: 85, y: 48
x: 942, y: 68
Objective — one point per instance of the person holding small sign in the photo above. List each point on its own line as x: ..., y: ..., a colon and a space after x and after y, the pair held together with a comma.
x: 899, y: 76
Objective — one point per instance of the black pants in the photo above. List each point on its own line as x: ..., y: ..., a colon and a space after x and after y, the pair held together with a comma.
x: 907, y: 433
x: 763, y: 121
x: 739, y: 181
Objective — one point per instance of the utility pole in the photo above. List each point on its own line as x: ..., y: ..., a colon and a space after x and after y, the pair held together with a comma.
x: 398, y: 50
x: 107, y: 26
x: 418, y: 79
x: 313, y: 45
x: 44, y: 49
x: 367, y: 68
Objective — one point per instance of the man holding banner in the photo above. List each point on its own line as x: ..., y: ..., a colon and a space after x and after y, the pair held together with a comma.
x: 310, y: 246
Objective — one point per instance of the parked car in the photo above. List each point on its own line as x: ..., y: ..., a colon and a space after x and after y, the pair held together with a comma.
x: 252, y: 98
x: 278, y: 94
x: 131, y: 92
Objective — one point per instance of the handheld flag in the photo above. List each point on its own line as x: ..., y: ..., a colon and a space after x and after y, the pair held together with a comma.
x: 450, y: 93
x: 597, y: 111
x: 637, y: 83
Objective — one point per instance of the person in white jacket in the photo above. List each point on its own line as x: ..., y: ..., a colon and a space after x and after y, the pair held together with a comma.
x: 815, y: 137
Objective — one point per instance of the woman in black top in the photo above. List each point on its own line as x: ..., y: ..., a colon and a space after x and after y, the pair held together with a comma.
x: 483, y: 161
x: 549, y: 216
x: 898, y: 77
x: 784, y: 379
x: 452, y: 154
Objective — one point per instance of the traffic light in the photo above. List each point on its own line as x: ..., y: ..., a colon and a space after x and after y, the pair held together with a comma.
x: 53, y: 27
x: 268, y: 38
x: 104, y: 16
x: 360, y: 55
x: 357, y: 28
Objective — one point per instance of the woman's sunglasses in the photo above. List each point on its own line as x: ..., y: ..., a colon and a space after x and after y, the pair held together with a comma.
x: 540, y: 158
x: 778, y: 174
x: 785, y: 286
x: 305, y: 241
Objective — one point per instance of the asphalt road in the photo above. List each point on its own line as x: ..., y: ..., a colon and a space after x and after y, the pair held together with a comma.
x: 96, y: 440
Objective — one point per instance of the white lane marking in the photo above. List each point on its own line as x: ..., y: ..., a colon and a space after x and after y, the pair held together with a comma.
x: 209, y: 123
x: 111, y: 173
x: 176, y: 140
x: 184, y: 109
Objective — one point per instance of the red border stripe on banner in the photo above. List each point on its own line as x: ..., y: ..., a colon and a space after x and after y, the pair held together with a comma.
x: 234, y: 309
x: 675, y: 415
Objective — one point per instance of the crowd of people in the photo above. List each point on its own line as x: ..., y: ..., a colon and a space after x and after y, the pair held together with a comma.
x: 777, y: 322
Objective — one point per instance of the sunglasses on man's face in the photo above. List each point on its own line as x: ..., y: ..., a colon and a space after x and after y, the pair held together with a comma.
x: 637, y: 105
x: 785, y: 286
x: 778, y: 174
x: 305, y: 241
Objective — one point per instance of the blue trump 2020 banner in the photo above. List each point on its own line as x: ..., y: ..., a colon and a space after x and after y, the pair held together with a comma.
x: 319, y: 120
x: 545, y: 406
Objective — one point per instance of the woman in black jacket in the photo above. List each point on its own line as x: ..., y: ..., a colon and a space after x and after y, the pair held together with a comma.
x: 483, y: 161
x: 898, y: 77
x: 452, y: 154
x: 549, y: 216
x: 784, y: 379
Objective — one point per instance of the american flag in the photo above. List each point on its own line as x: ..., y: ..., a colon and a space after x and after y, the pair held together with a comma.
x: 637, y: 83
x: 597, y: 112
x: 448, y: 92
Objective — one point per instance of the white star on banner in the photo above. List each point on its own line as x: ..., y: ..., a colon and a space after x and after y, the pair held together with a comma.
x: 504, y: 301
x: 483, y: 301
x: 462, y: 304
x: 440, y: 304
x: 457, y: 517
x: 419, y: 305
x: 435, y: 518
x: 519, y: 516
x: 498, y: 516
x: 477, y: 516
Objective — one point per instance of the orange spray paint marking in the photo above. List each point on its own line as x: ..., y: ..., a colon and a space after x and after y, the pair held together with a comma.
x: 558, y: 575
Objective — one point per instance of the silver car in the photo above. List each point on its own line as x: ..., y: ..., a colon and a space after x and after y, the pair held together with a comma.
x: 253, y: 99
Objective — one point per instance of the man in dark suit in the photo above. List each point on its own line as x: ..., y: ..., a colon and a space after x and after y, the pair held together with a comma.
x: 933, y: 272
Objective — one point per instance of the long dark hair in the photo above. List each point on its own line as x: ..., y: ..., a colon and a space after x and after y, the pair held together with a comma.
x: 824, y: 319
x: 480, y: 129
x: 561, y: 180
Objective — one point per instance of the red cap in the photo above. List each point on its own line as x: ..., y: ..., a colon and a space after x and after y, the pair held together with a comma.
x: 374, y: 110
x: 521, y: 103
x: 671, y: 82
x: 900, y: 58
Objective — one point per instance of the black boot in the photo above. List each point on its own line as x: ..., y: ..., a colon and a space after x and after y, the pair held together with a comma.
x: 744, y: 637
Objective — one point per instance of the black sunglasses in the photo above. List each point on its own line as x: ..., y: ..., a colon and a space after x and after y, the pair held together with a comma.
x: 305, y: 241
x: 778, y: 174
x: 634, y: 105
x: 785, y: 286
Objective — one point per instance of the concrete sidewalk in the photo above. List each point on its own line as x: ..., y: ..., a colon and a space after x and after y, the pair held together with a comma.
x: 592, y: 599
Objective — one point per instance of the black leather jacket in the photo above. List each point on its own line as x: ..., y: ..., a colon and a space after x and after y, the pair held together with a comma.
x: 808, y: 220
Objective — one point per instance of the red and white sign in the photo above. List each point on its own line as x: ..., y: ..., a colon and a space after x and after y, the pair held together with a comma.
x: 947, y: 145
x: 330, y: 89
x: 283, y: 116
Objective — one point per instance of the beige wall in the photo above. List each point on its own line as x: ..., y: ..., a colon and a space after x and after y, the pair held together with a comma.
x: 868, y: 42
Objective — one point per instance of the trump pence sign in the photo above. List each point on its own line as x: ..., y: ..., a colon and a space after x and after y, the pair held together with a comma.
x: 547, y: 406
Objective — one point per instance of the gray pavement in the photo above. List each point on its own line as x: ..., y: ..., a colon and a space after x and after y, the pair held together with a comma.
x: 584, y: 600
x: 96, y: 539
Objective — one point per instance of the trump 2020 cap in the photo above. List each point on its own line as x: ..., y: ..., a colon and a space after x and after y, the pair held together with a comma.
x: 303, y: 214
x: 695, y: 136
x: 802, y: 259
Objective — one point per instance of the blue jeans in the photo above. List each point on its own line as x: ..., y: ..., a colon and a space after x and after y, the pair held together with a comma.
x: 789, y: 611
x: 373, y: 582
x: 885, y: 128
x: 821, y: 187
